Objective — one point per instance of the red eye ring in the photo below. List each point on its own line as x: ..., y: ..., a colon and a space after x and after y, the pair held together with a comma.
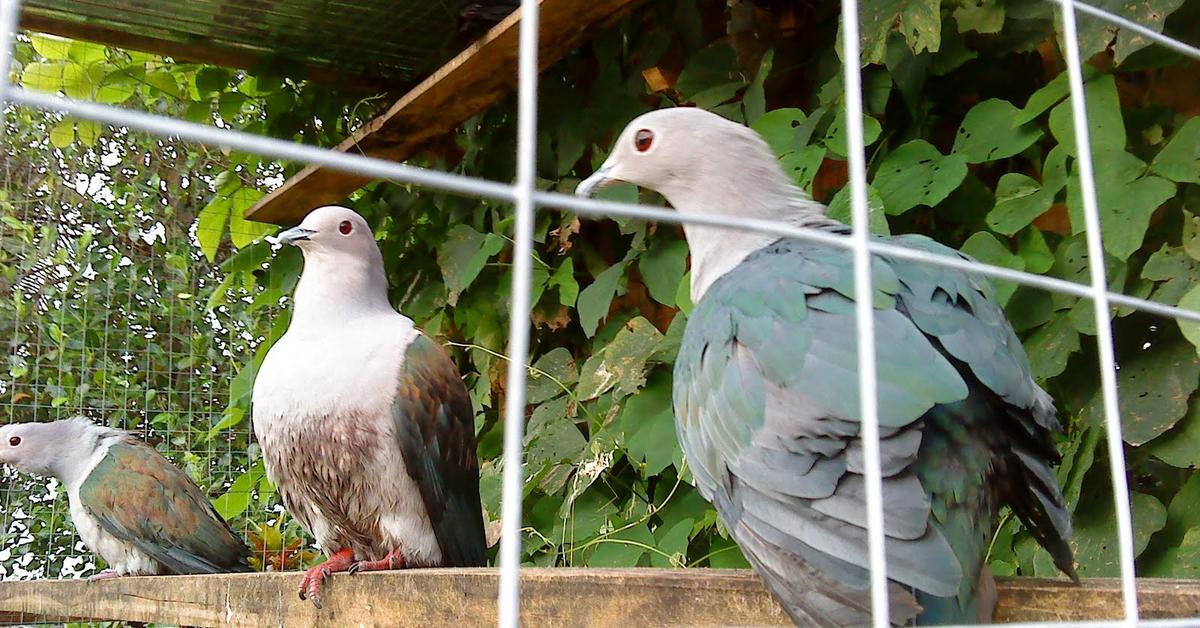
x: 345, y: 227
x: 643, y: 140
x: 14, y: 441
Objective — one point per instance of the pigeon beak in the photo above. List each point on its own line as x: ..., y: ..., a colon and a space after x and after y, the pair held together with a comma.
x: 294, y: 235
x: 599, y: 179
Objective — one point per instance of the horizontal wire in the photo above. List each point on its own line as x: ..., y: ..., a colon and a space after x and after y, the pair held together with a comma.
x: 468, y: 186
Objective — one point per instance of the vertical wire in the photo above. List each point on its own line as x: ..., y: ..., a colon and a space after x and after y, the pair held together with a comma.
x: 9, y: 10
x: 519, y: 321
x: 1104, y: 339
x: 864, y: 315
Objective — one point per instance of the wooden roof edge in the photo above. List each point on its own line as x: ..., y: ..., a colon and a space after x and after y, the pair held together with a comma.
x: 466, y: 85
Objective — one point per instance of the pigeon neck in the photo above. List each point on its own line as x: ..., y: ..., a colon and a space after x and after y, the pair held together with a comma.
x: 716, y: 251
x: 76, y: 457
x: 332, y: 292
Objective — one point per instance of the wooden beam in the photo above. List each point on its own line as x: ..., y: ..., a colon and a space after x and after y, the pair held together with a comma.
x: 467, y: 85
x: 247, y: 58
x: 550, y: 597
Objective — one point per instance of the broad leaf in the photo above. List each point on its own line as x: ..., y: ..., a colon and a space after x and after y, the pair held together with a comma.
x: 463, y: 255
x: 984, y: 247
x: 621, y: 363
x: 662, y: 266
x: 595, y: 299
x: 988, y: 132
x: 917, y: 174
x: 1106, y: 127
x: 1179, y: 160
x: 648, y: 425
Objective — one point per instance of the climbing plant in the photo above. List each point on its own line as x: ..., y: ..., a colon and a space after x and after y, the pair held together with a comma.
x: 969, y: 140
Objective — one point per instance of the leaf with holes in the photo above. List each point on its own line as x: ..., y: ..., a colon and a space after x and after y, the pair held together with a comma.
x: 802, y: 165
x: 780, y: 128
x: 1095, y: 537
x: 557, y: 364
x: 1125, y: 200
x: 621, y: 363
x: 981, y: 16
x: 1020, y: 199
x: 837, y: 134
x: 839, y: 209
x: 1155, y: 385
x: 1050, y: 347
x: 917, y: 174
x: 988, y: 133
x: 1096, y: 35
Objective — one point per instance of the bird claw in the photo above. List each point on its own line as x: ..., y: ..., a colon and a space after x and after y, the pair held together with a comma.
x: 393, y: 560
x: 103, y: 575
x: 315, y: 577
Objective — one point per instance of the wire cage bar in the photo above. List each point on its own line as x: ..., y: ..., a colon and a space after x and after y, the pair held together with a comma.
x: 527, y: 199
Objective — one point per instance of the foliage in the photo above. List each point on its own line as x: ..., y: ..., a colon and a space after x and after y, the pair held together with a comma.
x: 969, y: 140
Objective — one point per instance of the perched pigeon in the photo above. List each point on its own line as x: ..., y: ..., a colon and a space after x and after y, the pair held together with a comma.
x: 767, y: 403
x: 140, y: 513
x: 365, y: 424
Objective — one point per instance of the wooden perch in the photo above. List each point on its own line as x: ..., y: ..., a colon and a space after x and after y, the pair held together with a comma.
x: 467, y: 85
x: 549, y: 597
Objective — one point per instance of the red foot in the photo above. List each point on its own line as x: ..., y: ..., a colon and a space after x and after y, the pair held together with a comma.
x: 393, y: 560
x: 103, y: 575
x: 310, y: 584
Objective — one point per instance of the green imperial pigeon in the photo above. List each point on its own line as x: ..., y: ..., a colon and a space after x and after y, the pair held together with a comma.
x: 767, y: 403
x: 364, y: 422
x: 140, y: 513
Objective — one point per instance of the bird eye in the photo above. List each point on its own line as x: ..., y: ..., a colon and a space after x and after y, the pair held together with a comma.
x: 14, y: 441
x: 345, y: 227
x: 643, y: 139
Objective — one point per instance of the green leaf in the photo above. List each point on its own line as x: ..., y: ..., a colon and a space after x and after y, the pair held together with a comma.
x: 1018, y: 202
x: 988, y: 133
x: 1179, y: 160
x: 623, y: 549
x: 595, y: 299
x: 1125, y: 200
x: 1190, y: 329
x: 754, y: 101
x: 463, y: 255
x: 1050, y: 347
x: 1106, y: 127
x: 621, y: 363
x: 1180, y: 446
x: 552, y: 436
x: 981, y: 16
x: 1096, y: 35
x: 673, y: 542
x: 557, y: 364
x: 1047, y: 95
x: 63, y: 134
x: 43, y: 77
x: 564, y: 279
x: 51, y: 47
x: 803, y: 165
x: 662, y: 266
x: 164, y: 82
x: 780, y: 128
x: 244, y: 232
x: 919, y: 21
x: 1154, y: 385
x: 75, y: 81
x: 648, y: 426
x: 683, y: 296
x: 212, y: 79
x: 86, y: 53
x: 1032, y: 247
x: 1095, y: 538
x: 712, y: 67
x: 1191, y: 235
x: 839, y: 209
x: 1182, y: 561
x: 984, y: 247
x: 211, y: 225
x: 234, y: 502
x: 917, y: 174
x: 837, y: 135
x: 89, y: 132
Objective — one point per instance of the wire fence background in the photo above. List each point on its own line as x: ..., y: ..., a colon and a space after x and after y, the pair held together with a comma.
x: 154, y: 336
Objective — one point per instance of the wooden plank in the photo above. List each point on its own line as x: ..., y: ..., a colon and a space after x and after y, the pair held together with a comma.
x: 620, y: 598
x: 467, y: 85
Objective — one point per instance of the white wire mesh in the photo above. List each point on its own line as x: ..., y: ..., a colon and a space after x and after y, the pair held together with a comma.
x: 527, y: 199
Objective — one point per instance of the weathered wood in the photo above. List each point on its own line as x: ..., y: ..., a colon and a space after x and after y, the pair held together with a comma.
x: 467, y: 85
x: 550, y: 597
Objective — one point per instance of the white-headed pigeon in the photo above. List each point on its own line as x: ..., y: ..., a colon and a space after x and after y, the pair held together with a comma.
x: 365, y: 424
x: 131, y: 506
x: 767, y: 403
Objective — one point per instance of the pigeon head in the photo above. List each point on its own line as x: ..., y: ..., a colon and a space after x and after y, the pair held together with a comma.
x: 343, y: 268
x: 701, y: 163
x: 46, y: 448
x: 705, y: 165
